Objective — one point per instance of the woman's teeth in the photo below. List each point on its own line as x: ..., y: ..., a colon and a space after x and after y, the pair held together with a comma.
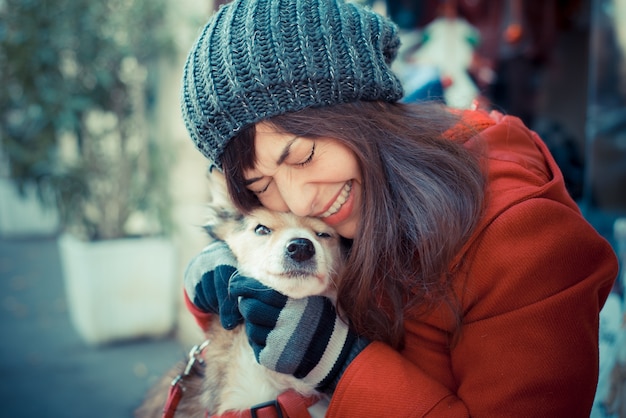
x: 341, y: 199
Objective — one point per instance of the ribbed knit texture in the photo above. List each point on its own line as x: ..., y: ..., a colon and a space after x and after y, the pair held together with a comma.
x: 260, y: 58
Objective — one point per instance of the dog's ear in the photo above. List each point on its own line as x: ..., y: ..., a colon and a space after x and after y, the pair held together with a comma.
x: 221, y: 212
x: 218, y: 192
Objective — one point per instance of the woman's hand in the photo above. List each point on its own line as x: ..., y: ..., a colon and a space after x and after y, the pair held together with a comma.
x: 301, y: 337
x: 206, y: 283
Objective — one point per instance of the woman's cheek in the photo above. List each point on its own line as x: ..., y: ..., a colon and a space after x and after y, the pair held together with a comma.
x: 273, y: 203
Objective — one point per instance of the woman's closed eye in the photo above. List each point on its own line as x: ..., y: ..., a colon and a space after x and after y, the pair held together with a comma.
x: 262, y: 190
x: 309, y: 158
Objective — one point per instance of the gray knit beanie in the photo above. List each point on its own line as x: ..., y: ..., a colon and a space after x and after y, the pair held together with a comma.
x: 261, y: 58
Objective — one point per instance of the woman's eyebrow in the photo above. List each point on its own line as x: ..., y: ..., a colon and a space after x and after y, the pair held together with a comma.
x: 283, y: 156
x: 286, y: 150
x: 250, y: 181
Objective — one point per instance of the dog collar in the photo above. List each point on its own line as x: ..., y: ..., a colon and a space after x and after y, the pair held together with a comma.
x: 289, y: 404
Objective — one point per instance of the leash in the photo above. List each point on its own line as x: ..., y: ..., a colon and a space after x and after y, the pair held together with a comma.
x: 289, y: 404
x: 177, y: 388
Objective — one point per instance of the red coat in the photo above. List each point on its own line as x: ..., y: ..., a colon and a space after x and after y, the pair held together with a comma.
x: 535, y: 277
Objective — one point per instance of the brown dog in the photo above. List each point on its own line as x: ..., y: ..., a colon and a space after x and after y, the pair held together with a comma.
x: 299, y: 257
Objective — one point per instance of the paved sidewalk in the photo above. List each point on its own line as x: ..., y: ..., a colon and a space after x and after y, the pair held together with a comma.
x: 45, y: 368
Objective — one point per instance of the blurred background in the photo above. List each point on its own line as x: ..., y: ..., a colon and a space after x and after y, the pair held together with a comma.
x: 102, y: 192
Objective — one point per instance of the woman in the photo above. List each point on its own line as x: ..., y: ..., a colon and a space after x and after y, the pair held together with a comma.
x: 473, y: 284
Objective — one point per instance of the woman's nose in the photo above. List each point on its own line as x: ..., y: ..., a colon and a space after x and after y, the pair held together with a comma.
x: 298, y: 199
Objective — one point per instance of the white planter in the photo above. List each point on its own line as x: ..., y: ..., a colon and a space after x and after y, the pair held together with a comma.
x: 24, y: 215
x: 120, y: 289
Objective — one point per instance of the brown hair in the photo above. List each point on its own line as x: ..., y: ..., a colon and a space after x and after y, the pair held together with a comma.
x: 422, y: 197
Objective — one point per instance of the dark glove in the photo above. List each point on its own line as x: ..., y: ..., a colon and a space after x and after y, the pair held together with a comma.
x: 206, y: 283
x: 301, y: 337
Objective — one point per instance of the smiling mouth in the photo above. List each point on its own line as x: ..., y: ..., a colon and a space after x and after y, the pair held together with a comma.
x: 341, y: 199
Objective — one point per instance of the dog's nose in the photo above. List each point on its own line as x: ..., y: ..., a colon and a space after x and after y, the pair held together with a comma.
x: 300, y: 249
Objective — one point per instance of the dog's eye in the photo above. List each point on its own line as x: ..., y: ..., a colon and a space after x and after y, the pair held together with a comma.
x: 262, y: 230
x: 323, y: 235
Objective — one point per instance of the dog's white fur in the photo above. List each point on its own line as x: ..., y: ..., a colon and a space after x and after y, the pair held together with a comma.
x: 261, y: 240
x: 260, y: 244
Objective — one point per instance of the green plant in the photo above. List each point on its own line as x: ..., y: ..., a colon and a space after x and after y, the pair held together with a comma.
x: 76, y: 109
